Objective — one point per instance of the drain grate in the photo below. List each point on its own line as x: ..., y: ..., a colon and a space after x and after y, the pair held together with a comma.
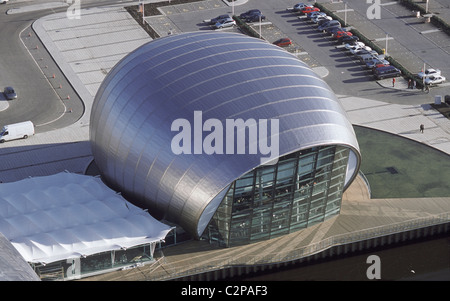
x: 392, y: 170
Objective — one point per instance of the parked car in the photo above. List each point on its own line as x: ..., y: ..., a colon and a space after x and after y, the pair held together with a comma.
x: 434, y: 79
x: 386, y: 72
x: 314, y: 14
x: 300, y: 6
x: 348, y: 46
x: 348, y: 39
x: 10, y: 93
x: 333, y: 29
x: 368, y: 58
x: 340, y: 34
x: 3, y: 1
x: 218, y: 18
x: 356, y: 50
x: 283, y: 42
x: 429, y: 72
x: 332, y: 23
x: 317, y: 19
x: 375, y: 63
x: 322, y: 22
x: 249, y: 13
x: 255, y: 17
x: 366, y: 53
x: 225, y: 23
x: 309, y: 9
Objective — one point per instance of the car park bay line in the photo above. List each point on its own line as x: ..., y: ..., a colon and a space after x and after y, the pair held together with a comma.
x: 430, y: 31
x: 383, y: 39
x: 412, y: 27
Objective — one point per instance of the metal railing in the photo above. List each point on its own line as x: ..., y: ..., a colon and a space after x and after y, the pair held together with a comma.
x: 301, y: 252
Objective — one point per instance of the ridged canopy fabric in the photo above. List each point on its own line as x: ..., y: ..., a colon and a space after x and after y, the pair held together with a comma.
x: 224, y: 76
x: 66, y: 215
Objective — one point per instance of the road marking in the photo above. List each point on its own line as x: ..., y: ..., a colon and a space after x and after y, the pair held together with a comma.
x: 389, y: 3
x: 430, y: 31
x: 383, y: 39
x: 344, y: 10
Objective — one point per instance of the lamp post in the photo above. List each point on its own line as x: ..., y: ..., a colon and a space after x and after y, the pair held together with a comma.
x: 260, y: 26
x: 386, y: 50
x: 345, y: 13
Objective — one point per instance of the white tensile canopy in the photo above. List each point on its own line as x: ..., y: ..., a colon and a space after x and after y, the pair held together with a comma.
x: 67, y: 215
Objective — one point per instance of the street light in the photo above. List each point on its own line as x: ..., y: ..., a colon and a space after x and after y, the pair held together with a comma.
x: 345, y: 13
x: 386, y: 49
x: 260, y: 26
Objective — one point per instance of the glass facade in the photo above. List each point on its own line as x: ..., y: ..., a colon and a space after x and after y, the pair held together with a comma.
x: 302, y: 189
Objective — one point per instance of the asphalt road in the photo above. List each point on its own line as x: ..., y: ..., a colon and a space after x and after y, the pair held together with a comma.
x: 44, y: 95
x: 37, y: 100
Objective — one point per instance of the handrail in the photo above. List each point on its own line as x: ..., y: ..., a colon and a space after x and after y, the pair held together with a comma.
x: 306, y: 251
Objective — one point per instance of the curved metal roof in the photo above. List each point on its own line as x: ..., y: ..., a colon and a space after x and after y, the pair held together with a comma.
x: 224, y: 76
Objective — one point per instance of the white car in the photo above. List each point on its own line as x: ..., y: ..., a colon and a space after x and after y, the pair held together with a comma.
x: 434, y: 80
x: 357, y: 44
x: 225, y: 23
x: 316, y: 14
x: 429, y: 72
x: 3, y: 1
x: 355, y: 50
x: 316, y: 19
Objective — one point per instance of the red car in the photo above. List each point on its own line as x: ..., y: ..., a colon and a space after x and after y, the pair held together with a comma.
x: 340, y: 34
x: 309, y: 9
x: 283, y: 42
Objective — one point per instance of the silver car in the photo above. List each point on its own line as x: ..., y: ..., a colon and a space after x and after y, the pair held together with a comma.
x: 229, y: 22
x: 10, y: 93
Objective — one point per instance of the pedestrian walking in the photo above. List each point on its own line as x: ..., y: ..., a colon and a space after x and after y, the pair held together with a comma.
x: 409, y: 84
x: 422, y: 127
x: 393, y: 82
x: 414, y: 84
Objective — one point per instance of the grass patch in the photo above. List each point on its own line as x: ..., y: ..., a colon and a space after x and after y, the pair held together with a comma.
x: 422, y: 171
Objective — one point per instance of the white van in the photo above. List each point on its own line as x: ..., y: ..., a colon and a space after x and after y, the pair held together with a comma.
x: 16, y: 131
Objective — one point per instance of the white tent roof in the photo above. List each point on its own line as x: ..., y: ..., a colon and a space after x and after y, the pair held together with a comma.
x: 68, y: 215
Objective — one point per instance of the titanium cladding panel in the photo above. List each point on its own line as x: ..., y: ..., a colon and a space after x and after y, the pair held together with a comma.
x: 223, y: 76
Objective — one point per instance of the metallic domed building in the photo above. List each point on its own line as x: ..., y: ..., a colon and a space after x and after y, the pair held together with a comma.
x: 228, y: 136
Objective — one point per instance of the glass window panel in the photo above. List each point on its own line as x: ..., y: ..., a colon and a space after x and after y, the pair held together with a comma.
x: 245, y: 181
x: 306, y: 164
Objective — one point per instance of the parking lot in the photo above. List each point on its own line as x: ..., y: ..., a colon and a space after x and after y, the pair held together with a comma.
x: 343, y: 72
